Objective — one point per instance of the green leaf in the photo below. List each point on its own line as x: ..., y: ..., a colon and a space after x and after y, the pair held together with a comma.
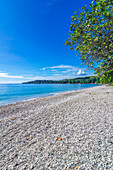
x: 91, y: 35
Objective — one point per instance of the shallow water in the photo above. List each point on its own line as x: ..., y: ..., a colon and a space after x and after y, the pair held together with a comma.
x: 12, y: 93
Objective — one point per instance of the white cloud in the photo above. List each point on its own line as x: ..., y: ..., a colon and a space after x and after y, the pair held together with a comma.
x: 60, y: 67
x: 10, y: 82
x: 8, y: 76
x: 53, y: 70
x: 53, y: 73
x: 43, y: 68
x: 64, y: 70
x: 80, y: 73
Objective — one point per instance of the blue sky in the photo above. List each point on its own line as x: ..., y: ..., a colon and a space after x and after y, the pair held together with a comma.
x: 32, y: 37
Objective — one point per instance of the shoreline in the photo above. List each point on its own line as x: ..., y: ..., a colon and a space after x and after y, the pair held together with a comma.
x: 64, y: 131
x: 48, y: 95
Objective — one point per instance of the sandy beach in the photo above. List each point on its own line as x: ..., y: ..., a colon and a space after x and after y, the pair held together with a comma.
x: 72, y: 130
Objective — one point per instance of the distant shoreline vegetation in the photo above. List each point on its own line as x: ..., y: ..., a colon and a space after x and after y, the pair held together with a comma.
x: 79, y: 80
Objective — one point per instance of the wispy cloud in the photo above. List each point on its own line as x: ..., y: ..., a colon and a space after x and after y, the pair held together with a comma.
x: 43, y: 69
x: 6, y: 75
x: 63, y: 66
x: 60, y: 67
x: 49, y: 73
x: 81, y: 73
x: 65, y: 70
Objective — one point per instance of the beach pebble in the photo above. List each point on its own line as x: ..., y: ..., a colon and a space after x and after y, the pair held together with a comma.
x: 72, y: 130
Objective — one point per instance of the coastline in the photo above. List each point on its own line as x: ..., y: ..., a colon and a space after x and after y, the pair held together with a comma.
x: 43, y: 95
x: 82, y: 118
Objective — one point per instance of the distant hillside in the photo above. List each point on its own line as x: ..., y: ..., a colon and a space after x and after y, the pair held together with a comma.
x: 80, y: 80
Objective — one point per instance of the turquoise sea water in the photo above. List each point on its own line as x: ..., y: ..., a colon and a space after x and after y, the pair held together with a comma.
x: 12, y: 93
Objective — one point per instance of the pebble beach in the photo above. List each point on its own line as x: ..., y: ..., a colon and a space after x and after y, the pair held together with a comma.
x: 72, y: 130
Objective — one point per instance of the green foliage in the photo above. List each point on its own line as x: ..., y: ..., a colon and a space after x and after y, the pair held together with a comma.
x: 107, y: 77
x: 80, y: 80
x: 91, y: 35
x: 111, y: 84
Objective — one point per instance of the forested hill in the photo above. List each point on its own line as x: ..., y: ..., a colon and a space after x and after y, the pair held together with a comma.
x: 80, y: 80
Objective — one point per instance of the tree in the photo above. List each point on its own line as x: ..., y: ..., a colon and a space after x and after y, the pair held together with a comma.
x: 91, y: 35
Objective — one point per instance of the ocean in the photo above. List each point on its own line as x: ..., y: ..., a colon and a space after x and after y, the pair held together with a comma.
x: 12, y: 93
